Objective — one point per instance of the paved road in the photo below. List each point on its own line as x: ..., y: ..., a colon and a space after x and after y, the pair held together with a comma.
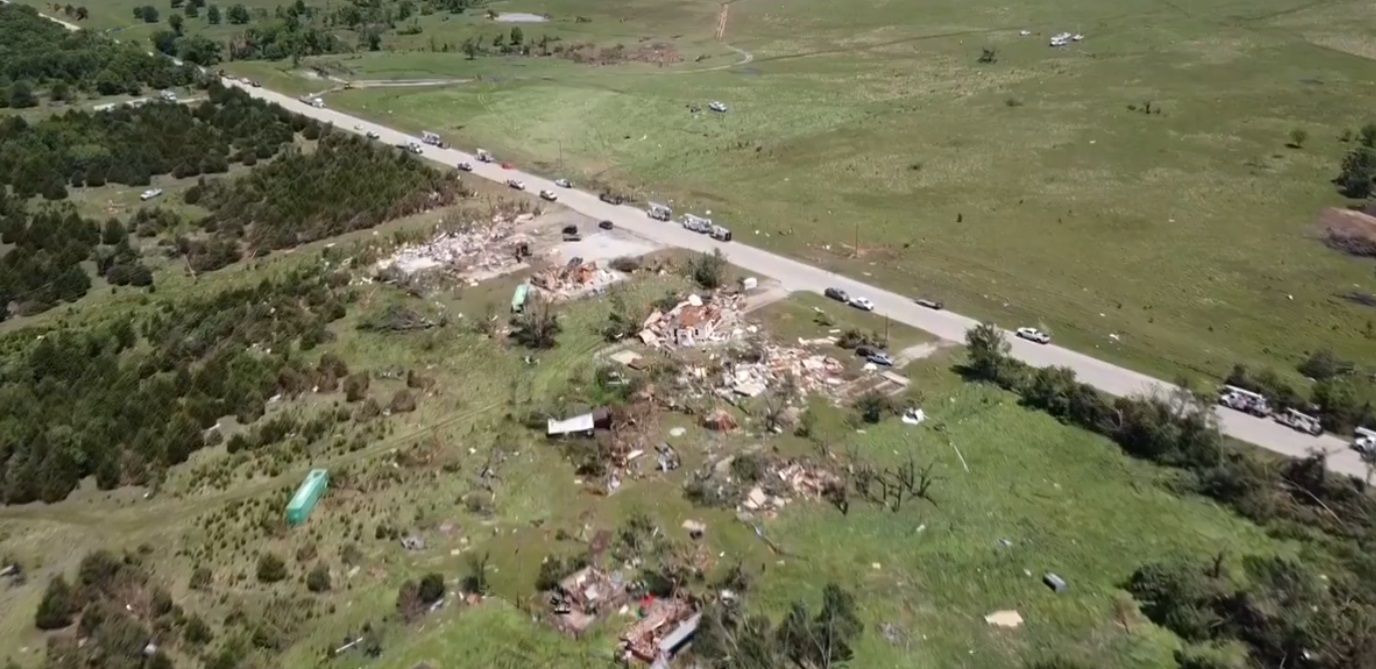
x: 796, y: 276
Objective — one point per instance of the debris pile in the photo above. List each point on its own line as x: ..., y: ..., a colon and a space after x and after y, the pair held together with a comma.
x: 695, y: 322
x: 490, y: 248
x: 573, y: 278
x: 810, y: 372
x: 584, y: 595
x: 805, y: 482
x: 665, y: 624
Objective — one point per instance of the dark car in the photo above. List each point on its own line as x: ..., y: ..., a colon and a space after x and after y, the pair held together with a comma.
x: 605, y: 225
x: 611, y: 198
x: 930, y: 304
x: 837, y: 294
x: 571, y: 233
x: 467, y: 167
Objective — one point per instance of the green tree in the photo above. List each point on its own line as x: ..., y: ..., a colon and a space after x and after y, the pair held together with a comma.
x: 60, y: 91
x: 82, y: 13
x: 22, y: 95
x: 517, y: 36
x: 271, y: 568
x: 56, y: 608
x: 469, y: 48
x: 1298, y: 137
x: 475, y: 581
x: 708, y: 270
x: 988, y: 351
x: 1366, y: 135
x: 212, y: 15
x: 238, y: 15
x: 1358, y: 169
x: 150, y: 14
x: 318, y: 580
x: 176, y: 23
x: 113, y: 233
x: 356, y: 387
x: 431, y: 588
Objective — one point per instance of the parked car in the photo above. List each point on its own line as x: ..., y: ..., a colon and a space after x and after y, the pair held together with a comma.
x: 465, y: 167
x: 837, y: 294
x: 372, y: 134
x: 570, y: 233
x: 150, y: 194
x: 880, y: 358
x: 563, y: 183
x: 1034, y: 335
x: 518, y: 185
x: 719, y: 107
x: 548, y: 195
x: 605, y: 225
x: 611, y: 198
x: 861, y: 303
x: 930, y: 304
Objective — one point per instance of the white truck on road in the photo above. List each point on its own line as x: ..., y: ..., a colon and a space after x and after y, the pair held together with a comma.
x: 697, y: 223
x: 659, y: 212
x: 484, y: 156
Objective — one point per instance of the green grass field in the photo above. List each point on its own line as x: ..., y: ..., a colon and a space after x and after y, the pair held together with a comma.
x: 1025, y: 190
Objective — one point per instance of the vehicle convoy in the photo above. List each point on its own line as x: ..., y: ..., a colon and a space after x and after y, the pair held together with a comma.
x: 837, y: 294
x: 1298, y: 420
x: 659, y: 212
x: 518, y: 185
x: 465, y: 167
x: 1033, y: 335
x: 484, y: 156
x: 549, y: 195
x: 1246, y: 401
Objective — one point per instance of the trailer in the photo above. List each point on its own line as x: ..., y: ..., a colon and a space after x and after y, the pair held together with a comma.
x: 307, y: 496
x: 659, y: 212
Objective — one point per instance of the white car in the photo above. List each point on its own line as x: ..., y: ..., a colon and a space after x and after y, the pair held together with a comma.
x: 150, y: 194
x: 719, y: 107
x: 862, y: 303
x: 518, y: 185
x: 372, y: 134
x: 564, y: 183
x: 548, y: 195
x: 1033, y: 334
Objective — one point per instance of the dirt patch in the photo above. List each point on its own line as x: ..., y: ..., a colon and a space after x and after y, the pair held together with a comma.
x: 653, y: 53
x: 1351, y: 232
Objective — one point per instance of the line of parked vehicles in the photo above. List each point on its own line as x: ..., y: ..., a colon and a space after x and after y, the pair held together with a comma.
x: 1256, y: 404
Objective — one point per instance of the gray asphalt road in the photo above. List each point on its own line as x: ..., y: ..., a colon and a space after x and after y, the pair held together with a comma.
x: 795, y: 276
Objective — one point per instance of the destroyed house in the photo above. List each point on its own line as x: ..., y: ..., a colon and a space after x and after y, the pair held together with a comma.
x: 582, y: 424
x: 586, y: 594
x: 668, y: 625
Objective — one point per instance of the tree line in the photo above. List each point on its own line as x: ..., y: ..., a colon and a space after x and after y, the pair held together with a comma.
x: 38, y: 54
x: 348, y: 183
x: 125, y: 399
x: 129, y: 145
x: 1333, y: 515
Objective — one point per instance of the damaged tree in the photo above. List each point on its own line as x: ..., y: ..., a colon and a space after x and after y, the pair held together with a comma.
x: 620, y: 322
x: 537, y: 328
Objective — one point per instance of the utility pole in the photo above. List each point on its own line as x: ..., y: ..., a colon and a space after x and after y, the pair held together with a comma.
x: 857, y: 238
x: 561, y: 156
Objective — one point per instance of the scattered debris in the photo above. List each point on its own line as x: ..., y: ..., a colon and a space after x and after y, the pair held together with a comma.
x: 720, y: 421
x: 695, y: 528
x: 666, y: 625
x: 1054, y: 582
x: 914, y: 416
x: 486, y: 248
x: 584, y: 595
x: 413, y: 543
x: 1006, y: 618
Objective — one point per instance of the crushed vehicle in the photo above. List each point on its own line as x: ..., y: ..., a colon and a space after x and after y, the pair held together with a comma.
x: 1033, y: 335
